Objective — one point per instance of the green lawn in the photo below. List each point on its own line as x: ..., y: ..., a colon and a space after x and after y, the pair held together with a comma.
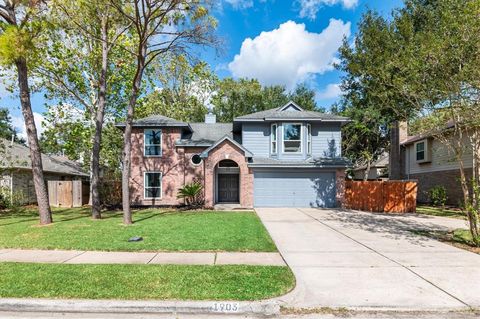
x: 144, y: 281
x: 439, y: 211
x: 161, y: 230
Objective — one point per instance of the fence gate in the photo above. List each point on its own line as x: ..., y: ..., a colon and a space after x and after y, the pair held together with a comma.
x: 65, y: 193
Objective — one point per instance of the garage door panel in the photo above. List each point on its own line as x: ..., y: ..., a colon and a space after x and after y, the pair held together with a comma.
x: 294, y: 188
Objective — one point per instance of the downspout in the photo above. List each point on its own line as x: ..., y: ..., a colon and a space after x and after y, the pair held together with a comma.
x: 11, y: 188
x: 408, y: 163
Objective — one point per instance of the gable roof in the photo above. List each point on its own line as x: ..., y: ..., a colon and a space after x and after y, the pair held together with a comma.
x: 204, y: 154
x: 156, y: 120
x: 282, y: 113
x: 206, y: 134
x: 18, y: 157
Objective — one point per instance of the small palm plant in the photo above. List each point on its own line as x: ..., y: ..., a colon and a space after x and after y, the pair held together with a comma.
x: 192, y: 193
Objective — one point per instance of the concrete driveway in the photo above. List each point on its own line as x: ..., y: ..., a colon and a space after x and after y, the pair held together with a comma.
x: 362, y: 260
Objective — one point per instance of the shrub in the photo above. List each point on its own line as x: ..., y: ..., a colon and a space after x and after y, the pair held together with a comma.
x: 438, y: 195
x: 11, y: 200
x: 192, y: 193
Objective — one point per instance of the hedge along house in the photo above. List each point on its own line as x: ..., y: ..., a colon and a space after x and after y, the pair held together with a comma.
x: 285, y: 156
x: 16, y: 179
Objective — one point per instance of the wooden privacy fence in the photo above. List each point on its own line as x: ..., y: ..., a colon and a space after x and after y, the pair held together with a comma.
x: 67, y: 193
x: 381, y: 196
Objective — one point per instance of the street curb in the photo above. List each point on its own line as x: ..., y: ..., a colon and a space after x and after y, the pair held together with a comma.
x: 267, y: 308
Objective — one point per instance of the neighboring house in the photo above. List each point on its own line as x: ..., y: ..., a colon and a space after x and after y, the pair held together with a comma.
x: 285, y: 156
x: 16, y: 171
x: 378, y: 169
x: 431, y: 163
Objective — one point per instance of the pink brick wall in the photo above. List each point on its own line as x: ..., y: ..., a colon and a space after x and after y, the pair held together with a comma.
x: 177, y: 169
x: 171, y: 164
x: 227, y: 150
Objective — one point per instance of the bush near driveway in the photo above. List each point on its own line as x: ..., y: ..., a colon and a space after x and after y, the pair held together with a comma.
x: 144, y: 281
x: 162, y: 230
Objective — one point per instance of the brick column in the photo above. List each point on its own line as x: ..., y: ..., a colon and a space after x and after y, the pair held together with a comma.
x: 340, y: 186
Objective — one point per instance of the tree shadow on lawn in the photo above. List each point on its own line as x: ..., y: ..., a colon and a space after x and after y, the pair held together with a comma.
x: 387, y: 226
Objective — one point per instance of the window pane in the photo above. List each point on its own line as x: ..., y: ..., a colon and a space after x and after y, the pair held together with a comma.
x: 292, y: 132
x: 292, y: 146
x: 152, y: 137
x: 420, y: 156
x: 152, y: 192
x: 420, y: 147
x: 152, y: 180
x: 152, y: 150
x: 274, y: 147
x: 274, y: 132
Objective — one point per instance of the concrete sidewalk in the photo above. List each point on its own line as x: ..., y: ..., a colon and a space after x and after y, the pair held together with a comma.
x: 105, y: 257
x: 371, y: 261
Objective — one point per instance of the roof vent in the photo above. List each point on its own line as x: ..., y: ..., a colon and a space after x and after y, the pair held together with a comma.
x: 210, y: 118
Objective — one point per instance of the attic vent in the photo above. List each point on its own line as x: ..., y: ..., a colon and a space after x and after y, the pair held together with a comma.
x: 210, y: 118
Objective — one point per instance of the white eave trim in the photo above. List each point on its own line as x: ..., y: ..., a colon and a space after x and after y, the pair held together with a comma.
x: 246, y: 152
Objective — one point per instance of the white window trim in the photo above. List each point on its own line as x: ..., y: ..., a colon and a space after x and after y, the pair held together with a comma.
x: 301, y: 138
x: 426, y: 151
x: 309, y: 138
x: 272, y: 134
x: 145, y: 145
x: 191, y: 160
x: 144, y: 185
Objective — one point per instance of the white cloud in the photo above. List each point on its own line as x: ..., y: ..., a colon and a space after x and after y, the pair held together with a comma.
x: 332, y: 91
x: 240, y: 4
x: 19, y: 124
x: 309, y: 8
x: 290, y: 54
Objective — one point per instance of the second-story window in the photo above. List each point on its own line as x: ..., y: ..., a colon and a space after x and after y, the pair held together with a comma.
x: 153, y: 142
x: 292, y: 138
x: 273, y: 138
x: 309, y: 139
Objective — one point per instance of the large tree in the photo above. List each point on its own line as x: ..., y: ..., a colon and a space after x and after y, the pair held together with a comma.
x: 22, y: 28
x: 159, y: 28
x: 425, y: 60
x: 82, y: 69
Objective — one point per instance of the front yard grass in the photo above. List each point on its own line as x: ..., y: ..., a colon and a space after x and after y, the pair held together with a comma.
x: 143, y: 281
x: 161, y: 229
x: 442, y: 212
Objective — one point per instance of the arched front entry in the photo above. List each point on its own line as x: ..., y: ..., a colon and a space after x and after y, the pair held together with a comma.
x: 227, y: 182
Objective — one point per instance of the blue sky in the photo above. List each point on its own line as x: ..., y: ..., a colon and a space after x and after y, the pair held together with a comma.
x: 276, y: 41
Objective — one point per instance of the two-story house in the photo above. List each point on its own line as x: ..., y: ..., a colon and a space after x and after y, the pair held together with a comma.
x: 285, y: 156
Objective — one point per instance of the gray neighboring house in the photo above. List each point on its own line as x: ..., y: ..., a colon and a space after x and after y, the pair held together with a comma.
x: 378, y: 169
x: 16, y: 173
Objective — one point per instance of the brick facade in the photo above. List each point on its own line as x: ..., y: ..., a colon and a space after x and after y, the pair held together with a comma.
x: 449, y: 179
x: 177, y: 170
x: 227, y: 150
x: 340, y: 187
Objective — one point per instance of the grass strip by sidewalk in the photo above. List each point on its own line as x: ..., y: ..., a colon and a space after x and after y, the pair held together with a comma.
x: 229, y: 282
x: 442, y: 212
x: 162, y: 230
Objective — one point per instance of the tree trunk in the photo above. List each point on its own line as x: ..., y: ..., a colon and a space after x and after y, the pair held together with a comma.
x: 99, y: 116
x: 35, y: 155
x: 127, y: 138
x: 367, y: 171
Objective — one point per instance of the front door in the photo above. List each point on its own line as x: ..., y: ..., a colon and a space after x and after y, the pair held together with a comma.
x: 228, y: 188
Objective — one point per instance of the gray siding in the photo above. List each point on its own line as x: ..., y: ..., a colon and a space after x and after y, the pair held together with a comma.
x: 294, y: 188
x: 442, y: 159
x: 326, y: 140
x: 256, y: 138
